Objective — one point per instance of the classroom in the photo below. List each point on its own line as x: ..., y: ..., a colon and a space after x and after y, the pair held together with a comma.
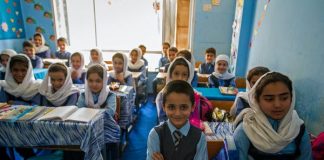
x: 161, y: 79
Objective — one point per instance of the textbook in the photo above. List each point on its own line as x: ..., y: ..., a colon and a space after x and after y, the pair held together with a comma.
x: 71, y: 113
x: 14, y: 112
x: 33, y: 113
x: 228, y: 90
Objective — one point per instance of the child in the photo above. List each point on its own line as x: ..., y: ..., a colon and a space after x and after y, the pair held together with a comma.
x: 19, y: 86
x: 4, y: 57
x: 176, y: 138
x: 241, y: 100
x: 143, y: 49
x: 120, y: 73
x: 209, y: 65
x: 221, y: 76
x: 135, y: 64
x: 171, y: 55
x: 41, y: 49
x: 62, y: 53
x: 96, y: 58
x: 164, y: 59
x: 29, y: 49
x: 187, y: 54
x: 271, y: 128
x: 77, y: 68
x: 57, y: 88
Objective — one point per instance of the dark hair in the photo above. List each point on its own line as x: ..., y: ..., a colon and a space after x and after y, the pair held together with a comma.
x: 186, y: 54
x: 211, y: 50
x: 19, y: 59
x: 76, y: 54
x: 28, y: 44
x: 257, y: 71
x: 97, y: 68
x: 174, y: 49
x: 177, y: 62
x: 141, y: 45
x: 58, y: 67
x: 272, y: 78
x: 118, y: 55
x: 178, y: 86
x: 94, y: 50
x: 38, y: 34
x: 62, y: 39
x: 166, y: 43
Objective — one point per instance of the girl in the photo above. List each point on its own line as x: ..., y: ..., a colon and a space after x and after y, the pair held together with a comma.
x: 41, y: 50
x: 241, y: 100
x: 120, y: 73
x: 96, y: 58
x: 221, y: 77
x: 181, y: 69
x: 57, y: 88
x: 77, y: 68
x: 136, y: 64
x: 19, y: 86
x: 186, y: 54
x: 4, y: 57
x: 271, y: 128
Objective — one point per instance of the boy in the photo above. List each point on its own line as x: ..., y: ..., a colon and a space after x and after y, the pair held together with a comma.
x: 171, y: 56
x: 164, y: 59
x: 176, y: 138
x: 30, y: 50
x: 143, y: 48
x: 209, y: 65
x: 62, y: 53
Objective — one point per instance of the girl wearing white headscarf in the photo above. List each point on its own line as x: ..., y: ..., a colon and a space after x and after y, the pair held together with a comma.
x: 55, y: 93
x: 78, y: 72
x: 271, y: 128
x: 96, y: 58
x: 136, y: 64
x: 4, y: 57
x: 221, y: 76
x: 120, y: 73
x: 21, y: 87
x: 95, y: 97
x: 241, y: 99
x: 189, y: 57
x: 41, y: 49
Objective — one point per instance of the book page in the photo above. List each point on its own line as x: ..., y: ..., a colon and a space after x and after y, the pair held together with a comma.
x: 59, y: 113
x: 83, y: 115
x: 32, y: 114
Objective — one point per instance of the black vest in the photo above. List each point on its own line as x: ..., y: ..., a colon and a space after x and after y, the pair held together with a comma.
x: 226, y: 82
x: 187, y: 147
x: 256, y: 154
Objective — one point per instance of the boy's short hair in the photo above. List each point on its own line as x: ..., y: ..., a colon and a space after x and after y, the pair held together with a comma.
x: 166, y: 43
x: 211, y: 50
x: 62, y: 39
x: 186, y: 54
x: 178, y: 86
x: 28, y: 44
x: 257, y: 71
x: 174, y: 49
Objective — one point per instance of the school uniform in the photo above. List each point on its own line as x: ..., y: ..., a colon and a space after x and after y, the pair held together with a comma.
x: 206, y: 68
x: 100, y: 61
x: 193, y: 144
x: 127, y: 75
x: 43, y: 51
x: 2, y: 73
x: 37, y: 62
x: 217, y: 79
x: 10, y: 53
x: 145, y: 61
x: 63, y: 55
x: 80, y: 71
x: 163, y: 61
x: 138, y: 66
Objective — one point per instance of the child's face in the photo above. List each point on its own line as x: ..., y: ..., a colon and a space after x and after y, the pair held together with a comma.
x: 57, y: 80
x: 172, y: 55
x: 221, y: 66
x: 29, y: 51
x: 178, y: 108
x: 4, y: 59
x: 180, y: 72
x: 95, y: 56
x: 19, y: 71
x: 254, y: 79
x: 165, y: 49
x: 209, y: 57
x: 95, y: 82
x: 143, y: 50
x: 61, y: 45
x: 38, y: 41
x: 118, y: 65
x: 275, y: 100
x: 76, y: 62
x: 133, y: 56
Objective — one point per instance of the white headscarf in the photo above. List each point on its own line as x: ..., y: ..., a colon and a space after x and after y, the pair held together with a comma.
x: 103, y: 93
x: 27, y: 89
x: 8, y: 52
x: 42, y: 47
x: 191, y: 70
x: 59, y: 97
x: 125, y: 70
x: 100, y: 61
x: 259, y: 130
x: 81, y: 69
x: 139, y: 63
x: 225, y: 75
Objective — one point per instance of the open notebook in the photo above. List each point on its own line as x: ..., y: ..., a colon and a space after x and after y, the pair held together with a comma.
x: 71, y: 113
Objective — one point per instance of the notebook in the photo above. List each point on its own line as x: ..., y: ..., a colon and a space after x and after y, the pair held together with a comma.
x: 228, y: 90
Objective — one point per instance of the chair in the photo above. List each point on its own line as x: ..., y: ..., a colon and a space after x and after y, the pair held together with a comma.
x: 240, y: 82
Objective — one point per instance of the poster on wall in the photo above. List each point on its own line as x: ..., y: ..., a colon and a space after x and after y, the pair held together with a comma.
x: 11, y: 21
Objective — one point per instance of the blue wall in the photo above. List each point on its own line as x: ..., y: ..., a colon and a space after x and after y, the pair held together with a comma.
x: 213, y: 29
x: 290, y: 40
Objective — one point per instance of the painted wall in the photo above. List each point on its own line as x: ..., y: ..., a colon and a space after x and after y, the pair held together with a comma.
x: 290, y: 40
x: 212, y: 28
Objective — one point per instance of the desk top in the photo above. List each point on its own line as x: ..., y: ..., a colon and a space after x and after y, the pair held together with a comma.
x: 136, y: 75
x: 54, y: 60
x: 215, y: 94
x: 40, y: 73
x: 161, y: 75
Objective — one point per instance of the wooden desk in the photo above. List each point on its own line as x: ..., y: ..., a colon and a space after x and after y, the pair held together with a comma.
x: 203, y: 78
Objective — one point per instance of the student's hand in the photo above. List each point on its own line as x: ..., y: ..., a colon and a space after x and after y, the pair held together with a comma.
x: 157, y: 156
x: 74, y: 74
x: 120, y: 78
